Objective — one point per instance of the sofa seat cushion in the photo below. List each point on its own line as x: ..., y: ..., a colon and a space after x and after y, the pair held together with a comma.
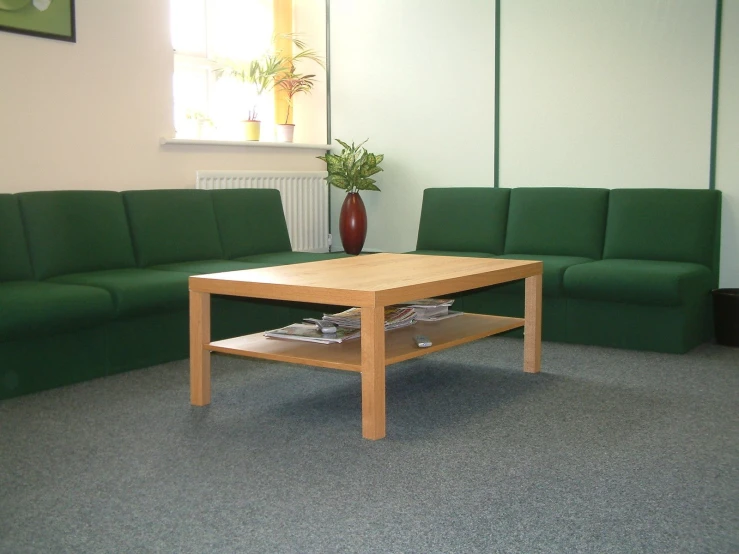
x: 137, y: 291
x: 250, y: 221
x: 453, y: 253
x: 644, y: 282
x: 463, y: 219
x: 15, y: 264
x: 561, y: 221
x: 209, y: 266
x: 32, y: 308
x: 285, y: 258
x: 169, y: 226
x: 672, y: 225
x: 552, y: 276
x: 75, y: 231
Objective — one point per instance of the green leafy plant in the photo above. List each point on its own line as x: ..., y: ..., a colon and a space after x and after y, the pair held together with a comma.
x: 275, y: 68
x: 352, y: 169
x: 260, y: 72
x: 199, y: 117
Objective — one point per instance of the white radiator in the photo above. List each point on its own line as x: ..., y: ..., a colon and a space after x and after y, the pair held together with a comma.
x: 304, y: 200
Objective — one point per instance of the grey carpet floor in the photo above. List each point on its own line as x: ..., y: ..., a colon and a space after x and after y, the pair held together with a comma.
x: 604, y: 451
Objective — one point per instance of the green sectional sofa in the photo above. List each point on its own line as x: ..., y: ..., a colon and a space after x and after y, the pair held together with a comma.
x: 627, y: 268
x: 94, y: 283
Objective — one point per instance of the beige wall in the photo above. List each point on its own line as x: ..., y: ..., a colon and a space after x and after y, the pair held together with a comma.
x: 90, y: 114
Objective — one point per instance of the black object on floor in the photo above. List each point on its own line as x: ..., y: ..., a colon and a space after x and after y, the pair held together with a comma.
x: 726, y: 316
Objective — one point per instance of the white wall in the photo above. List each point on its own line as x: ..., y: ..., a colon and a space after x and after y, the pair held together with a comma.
x: 727, y: 159
x: 606, y: 94
x: 89, y: 115
x: 416, y: 78
x: 593, y: 93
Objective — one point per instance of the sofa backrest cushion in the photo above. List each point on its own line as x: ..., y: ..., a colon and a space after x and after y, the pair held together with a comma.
x: 175, y: 225
x: 471, y: 219
x: 565, y: 221
x: 15, y: 264
x: 75, y: 231
x: 679, y: 225
x: 251, y: 221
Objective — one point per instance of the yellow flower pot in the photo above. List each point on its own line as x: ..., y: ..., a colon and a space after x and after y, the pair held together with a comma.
x: 251, y: 129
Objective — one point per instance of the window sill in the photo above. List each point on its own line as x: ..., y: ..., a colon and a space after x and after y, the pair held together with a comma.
x: 248, y: 144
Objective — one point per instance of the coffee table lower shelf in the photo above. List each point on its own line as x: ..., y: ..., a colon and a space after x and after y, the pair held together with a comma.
x: 399, y: 344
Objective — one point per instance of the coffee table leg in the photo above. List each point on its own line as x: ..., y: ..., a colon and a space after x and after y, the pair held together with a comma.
x: 199, y: 354
x: 373, y: 373
x: 532, y: 325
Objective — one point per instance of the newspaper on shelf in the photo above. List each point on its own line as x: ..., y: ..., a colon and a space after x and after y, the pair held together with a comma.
x: 349, y: 322
x: 309, y: 333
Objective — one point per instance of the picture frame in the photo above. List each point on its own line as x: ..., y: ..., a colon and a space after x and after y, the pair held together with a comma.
x: 52, y: 19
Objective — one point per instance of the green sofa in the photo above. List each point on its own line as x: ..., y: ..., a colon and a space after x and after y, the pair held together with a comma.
x: 627, y: 268
x: 94, y: 283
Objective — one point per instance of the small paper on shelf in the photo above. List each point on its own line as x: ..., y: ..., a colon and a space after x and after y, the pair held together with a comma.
x: 438, y: 316
x: 395, y: 317
x: 429, y: 302
x: 432, y: 309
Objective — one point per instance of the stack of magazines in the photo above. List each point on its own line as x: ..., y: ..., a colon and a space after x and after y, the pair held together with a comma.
x: 432, y: 309
x: 347, y: 323
x: 310, y: 333
x: 395, y: 317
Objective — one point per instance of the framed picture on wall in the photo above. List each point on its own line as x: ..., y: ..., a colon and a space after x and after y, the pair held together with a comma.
x: 40, y: 18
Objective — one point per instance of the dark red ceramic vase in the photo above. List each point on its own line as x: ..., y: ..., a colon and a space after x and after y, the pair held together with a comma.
x: 353, y: 223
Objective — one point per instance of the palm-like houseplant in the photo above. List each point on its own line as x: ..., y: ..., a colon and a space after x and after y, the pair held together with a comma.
x: 352, y: 170
x: 292, y: 83
x: 261, y: 73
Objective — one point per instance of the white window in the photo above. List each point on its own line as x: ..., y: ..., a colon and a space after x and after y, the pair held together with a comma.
x: 207, y: 33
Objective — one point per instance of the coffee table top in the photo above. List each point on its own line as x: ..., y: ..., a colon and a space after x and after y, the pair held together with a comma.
x: 372, y: 280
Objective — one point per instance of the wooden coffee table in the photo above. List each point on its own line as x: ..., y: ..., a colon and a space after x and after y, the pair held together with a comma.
x: 371, y: 283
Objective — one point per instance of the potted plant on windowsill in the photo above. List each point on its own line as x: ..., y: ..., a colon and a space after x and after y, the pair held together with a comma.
x: 352, y: 170
x: 261, y: 73
x: 276, y: 68
x: 201, y: 123
x: 292, y: 83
